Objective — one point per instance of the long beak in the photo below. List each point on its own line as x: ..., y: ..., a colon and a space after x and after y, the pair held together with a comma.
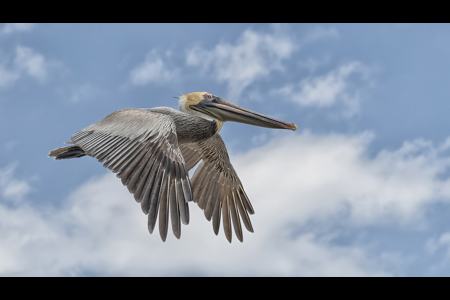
x: 227, y: 111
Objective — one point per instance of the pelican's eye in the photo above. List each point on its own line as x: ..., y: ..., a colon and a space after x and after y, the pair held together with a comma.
x: 208, y: 96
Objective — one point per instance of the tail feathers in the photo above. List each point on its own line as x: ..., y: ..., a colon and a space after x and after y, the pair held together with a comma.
x: 67, y: 152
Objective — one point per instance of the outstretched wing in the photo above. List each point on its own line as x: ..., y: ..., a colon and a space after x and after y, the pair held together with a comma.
x: 218, y: 190
x: 141, y: 146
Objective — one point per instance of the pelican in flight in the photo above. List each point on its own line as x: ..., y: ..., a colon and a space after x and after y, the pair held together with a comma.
x: 152, y: 150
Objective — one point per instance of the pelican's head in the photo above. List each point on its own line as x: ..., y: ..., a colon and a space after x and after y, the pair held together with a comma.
x: 211, y: 107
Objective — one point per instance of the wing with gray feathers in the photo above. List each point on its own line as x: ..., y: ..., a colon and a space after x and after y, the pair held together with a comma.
x: 218, y: 190
x: 141, y: 146
x: 191, y: 154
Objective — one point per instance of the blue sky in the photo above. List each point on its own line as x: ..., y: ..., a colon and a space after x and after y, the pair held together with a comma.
x: 361, y: 189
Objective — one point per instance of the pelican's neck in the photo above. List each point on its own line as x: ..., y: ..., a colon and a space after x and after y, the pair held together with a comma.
x: 182, y: 104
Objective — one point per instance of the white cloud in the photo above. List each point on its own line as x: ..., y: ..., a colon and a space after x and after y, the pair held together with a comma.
x: 13, y: 27
x: 254, y: 56
x: 31, y: 62
x: 345, y: 85
x: 325, y: 179
x: 102, y: 231
x: 153, y: 69
x: 26, y: 62
x: 12, y: 189
x: 331, y: 175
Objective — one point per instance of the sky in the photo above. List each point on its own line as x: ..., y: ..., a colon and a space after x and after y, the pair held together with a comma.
x: 362, y: 188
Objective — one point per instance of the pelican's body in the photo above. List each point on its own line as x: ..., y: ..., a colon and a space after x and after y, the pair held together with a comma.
x: 152, y: 150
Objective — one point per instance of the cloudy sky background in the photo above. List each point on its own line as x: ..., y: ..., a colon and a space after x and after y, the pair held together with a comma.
x: 361, y: 189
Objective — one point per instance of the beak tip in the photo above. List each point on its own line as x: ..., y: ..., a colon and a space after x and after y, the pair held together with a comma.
x: 294, y: 127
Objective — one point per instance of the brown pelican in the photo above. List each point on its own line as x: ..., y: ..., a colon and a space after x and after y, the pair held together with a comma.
x: 152, y: 150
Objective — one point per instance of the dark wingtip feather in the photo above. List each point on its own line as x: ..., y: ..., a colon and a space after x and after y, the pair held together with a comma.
x: 226, y: 219
x: 164, y: 211
x: 235, y: 217
x: 67, y: 152
x: 173, y: 205
x: 156, y: 194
